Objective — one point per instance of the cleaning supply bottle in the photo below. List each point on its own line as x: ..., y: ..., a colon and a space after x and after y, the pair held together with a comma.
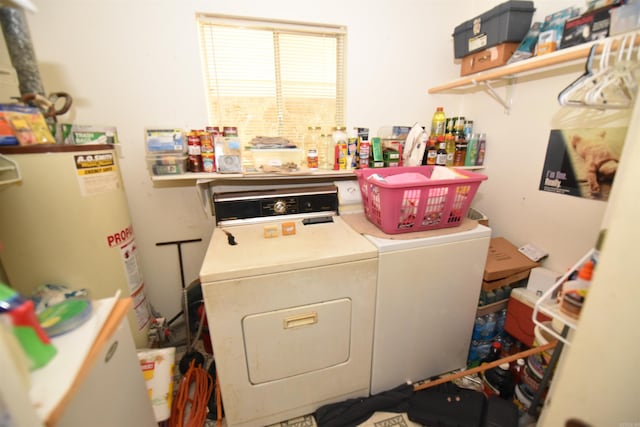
x: 582, y: 280
x: 575, y: 291
x: 20, y: 314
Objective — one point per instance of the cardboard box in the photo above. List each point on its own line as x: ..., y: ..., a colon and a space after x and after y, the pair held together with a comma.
x: 504, y: 259
x: 507, y: 22
x: 550, y: 35
x: 88, y: 134
x: 589, y: 26
x: 510, y: 280
x: 488, y: 58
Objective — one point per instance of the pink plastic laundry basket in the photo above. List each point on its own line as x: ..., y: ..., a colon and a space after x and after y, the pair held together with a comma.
x: 406, y: 207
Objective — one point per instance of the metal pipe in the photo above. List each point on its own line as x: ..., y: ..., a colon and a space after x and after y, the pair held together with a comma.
x: 23, y: 58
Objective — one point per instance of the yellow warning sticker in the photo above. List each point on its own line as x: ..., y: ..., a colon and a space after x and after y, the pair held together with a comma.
x: 97, y: 173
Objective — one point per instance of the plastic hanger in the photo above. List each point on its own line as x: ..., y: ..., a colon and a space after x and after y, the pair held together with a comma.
x: 565, y: 97
x: 616, y: 87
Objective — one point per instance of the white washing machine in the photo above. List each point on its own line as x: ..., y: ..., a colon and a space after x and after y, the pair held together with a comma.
x: 291, y: 317
x: 427, y: 298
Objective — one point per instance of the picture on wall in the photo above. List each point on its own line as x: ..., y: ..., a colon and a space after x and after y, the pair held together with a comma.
x: 582, y: 162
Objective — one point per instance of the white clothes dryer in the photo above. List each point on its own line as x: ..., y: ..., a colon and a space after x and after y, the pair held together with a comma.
x: 290, y: 314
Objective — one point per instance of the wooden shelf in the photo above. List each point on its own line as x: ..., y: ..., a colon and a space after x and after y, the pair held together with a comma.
x: 206, y: 177
x: 203, y: 177
x: 538, y: 64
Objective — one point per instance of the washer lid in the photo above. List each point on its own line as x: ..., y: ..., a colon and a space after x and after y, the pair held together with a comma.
x: 387, y: 245
x: 254, y: 254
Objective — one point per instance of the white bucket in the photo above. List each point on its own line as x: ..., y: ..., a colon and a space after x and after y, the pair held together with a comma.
x: 157, y: 369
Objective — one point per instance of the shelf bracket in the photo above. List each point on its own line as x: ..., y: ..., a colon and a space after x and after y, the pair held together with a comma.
x: 506, y: 101
x: 12, y: 167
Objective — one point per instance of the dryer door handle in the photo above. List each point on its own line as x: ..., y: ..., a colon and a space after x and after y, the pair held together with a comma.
x: 300, y: 320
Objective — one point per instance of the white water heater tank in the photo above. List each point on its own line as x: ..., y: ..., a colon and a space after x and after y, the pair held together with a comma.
x: 66, y: 221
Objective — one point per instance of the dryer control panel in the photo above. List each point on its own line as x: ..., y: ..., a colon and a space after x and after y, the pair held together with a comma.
x: 261, y: 206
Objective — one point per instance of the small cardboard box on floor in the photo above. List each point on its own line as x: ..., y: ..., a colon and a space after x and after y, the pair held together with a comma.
x: 505, y: 265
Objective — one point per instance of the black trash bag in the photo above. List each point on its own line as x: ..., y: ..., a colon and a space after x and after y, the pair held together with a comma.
x: 447, y: 405
x: 355, y: 411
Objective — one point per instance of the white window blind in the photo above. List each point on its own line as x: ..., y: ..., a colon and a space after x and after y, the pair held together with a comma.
x: 272, y: 78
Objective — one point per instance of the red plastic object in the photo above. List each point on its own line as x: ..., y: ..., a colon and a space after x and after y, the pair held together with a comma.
x: 420, y: 206
x: 206, y: 338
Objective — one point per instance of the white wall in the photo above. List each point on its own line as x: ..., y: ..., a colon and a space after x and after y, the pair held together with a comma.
x: 565, y: 226
x: 136, y: 64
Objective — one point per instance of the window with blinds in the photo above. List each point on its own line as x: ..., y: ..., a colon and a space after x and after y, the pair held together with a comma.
x: 272, y: 78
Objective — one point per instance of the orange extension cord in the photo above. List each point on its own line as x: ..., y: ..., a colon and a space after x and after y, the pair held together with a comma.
x: 196, y: 405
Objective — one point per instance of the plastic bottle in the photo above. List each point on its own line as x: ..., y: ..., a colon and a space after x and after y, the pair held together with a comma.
x: 329, y: 151
x: 339, y: 154
x: 507, y: 291
x: 450, y: 147
x: 517, y: 369
x: 312, y: 147
x: 490, y: 326
x: 500, y: 381
x: 432, y: 151
x: 583, y: 279
x: 20, y: 314
x: 483, y: 299
x: 460, y: 147
x: 322, y: 149
x: 438, y: 122
x: 472, y: 151
x: 482, y: 148
x: 575, y: 291
x: 307, y: 140
x: 491, y: 297
x: 494, y: 352
x: 468, y: 129
x: 478, y: 327
x: 500, y: 319
x: 460, y: 152
x: 441, y: 155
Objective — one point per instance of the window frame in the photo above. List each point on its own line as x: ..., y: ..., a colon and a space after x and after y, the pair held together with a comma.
x: 276, y: 27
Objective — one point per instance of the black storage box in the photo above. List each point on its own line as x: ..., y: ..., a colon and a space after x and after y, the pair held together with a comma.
x: 507, y: 22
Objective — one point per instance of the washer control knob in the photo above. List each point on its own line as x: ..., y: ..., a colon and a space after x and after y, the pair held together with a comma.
x: 280, y: 207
